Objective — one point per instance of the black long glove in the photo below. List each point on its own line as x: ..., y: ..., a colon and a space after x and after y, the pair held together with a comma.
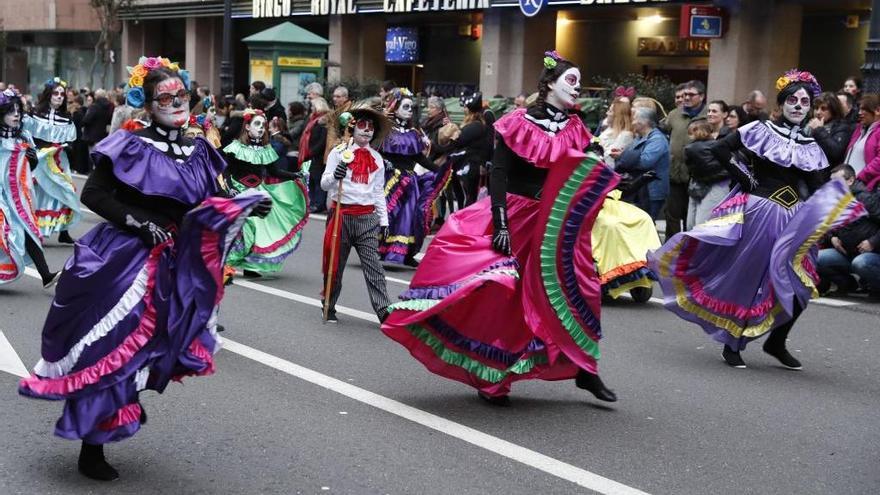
x: 341, y: 169
x: 31, y: 155
x: 148, y: 232
x: 501, y: 235
x: 263, y: 208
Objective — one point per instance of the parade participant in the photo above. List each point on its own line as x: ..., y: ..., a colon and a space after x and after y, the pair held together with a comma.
x: 360, y: 172
x: 56, y: 203
x: 409, y: 196
x: 136, y: 304
x: 750, y: 269
x: 507, y: 289
x: 20, y: 236
x: 264, y: 243
x: 203, y: 126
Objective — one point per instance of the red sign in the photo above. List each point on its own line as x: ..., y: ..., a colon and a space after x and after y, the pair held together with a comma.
x: 702, y: 21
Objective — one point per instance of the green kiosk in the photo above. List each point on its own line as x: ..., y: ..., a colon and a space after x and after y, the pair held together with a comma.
x: 288, y: 58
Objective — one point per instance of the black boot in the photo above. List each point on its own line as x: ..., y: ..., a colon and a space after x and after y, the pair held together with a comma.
x: 251, y: 274
x: 500, y: 400
x: 732, y: 358
x: 64, y: 238
x: 775, y: 343
x: 593, y: 384
x: 93, y: 465
x: 775, y: 346
x: 50, y: 279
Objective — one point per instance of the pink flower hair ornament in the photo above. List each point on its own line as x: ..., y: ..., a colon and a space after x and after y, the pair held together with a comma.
x: 798, y: 76
x: 628, y: 92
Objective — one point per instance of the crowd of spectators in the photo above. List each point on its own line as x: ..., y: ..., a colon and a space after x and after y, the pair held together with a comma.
x: 670, y: 152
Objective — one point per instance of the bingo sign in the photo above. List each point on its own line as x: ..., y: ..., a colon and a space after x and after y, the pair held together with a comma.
x: 402, y: 45
x: 530, y: 8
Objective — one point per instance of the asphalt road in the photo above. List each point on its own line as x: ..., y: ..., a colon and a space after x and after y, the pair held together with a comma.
x: 301, y: 407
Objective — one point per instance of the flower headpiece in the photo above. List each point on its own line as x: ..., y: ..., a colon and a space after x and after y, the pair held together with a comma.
x: 55, y: 81
x: 134, y: 90
x: 629, y: 92
x: 473, y: 101
x: 551, y: 59
x: 797, y: 76
x: 250, y: 113
x: 201, y: 121
x: 8, y: 95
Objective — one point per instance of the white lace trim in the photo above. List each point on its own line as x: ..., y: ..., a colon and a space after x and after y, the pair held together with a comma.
x: 129, y: 300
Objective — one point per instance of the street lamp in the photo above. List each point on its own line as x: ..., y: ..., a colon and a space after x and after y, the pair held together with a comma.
x: 871, y: 69
x: 226, y: 62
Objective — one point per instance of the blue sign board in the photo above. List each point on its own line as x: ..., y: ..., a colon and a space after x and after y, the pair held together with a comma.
x: 705, y: 26
x: 530, y: 8
x: 402, y: 45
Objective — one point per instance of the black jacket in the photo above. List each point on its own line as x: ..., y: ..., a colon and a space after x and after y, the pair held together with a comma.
x: 834, y: 139
x: 864, y: 228
x: 276, y: 110
x: 97, y: 118
x: 702, y: 164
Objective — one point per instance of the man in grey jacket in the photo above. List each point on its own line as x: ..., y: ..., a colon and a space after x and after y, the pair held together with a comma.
x: 676, y: 125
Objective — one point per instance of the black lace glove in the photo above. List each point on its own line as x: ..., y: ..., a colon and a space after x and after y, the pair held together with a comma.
x: 31, y: 155
x: 148, y: 232
x: 383, y: 232
x: 501, y: 235
x: 340, y: 171
x: 263, y: 208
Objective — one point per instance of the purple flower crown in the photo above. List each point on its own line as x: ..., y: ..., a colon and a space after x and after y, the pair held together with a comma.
x: 8, y: 95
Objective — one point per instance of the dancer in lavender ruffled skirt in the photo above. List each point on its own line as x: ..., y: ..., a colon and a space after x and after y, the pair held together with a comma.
x: 750, y: 269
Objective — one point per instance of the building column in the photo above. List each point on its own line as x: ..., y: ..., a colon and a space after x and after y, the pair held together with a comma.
x: 513, y: 50
x: 132, y: 41
x: 203, y: 51
x: 357, y: 49
x: 762, y: 42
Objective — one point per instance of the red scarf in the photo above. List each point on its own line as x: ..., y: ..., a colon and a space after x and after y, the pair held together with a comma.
x: 362, y: 166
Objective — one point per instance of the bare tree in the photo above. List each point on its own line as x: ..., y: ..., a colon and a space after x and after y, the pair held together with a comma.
x: 108, y: 17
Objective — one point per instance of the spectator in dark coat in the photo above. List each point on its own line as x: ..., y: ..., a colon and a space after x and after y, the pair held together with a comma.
x: 296, y: 122
x: 97, y: 119
x: 855, y: 247
x: 273, y: 107
x: 830, y: 127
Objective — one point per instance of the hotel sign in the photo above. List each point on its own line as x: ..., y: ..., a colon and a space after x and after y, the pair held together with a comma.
x: 672, y: 46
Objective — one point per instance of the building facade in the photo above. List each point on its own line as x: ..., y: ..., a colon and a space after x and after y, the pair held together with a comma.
x: 447, y: 45
x: 45, y: 38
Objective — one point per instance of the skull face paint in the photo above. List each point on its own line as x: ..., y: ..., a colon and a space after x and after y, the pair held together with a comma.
x: 57, y: 97
x: 170, y: 105
x: 405, y: 109
x: 566, y: 89
x: 12, y: 118
x: 363, y: 132
x: 256, y: 127
x: 796, y: 106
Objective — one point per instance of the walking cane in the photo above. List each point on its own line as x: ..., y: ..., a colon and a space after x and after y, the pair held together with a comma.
x: 335, y: 242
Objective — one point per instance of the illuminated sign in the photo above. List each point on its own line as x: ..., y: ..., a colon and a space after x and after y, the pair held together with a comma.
x: 672, y: 46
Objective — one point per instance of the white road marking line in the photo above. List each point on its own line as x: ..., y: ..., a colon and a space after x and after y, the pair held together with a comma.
x: 9, y: 360
x: 305, y: 300
x: 472, y: 436
x: 397, y: 280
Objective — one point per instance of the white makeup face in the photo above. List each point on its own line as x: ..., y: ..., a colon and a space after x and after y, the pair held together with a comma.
x: 363, y: 132
x: 796, y: 106
x: 57, y: 97
x: 170, y: 105
x: 256, y: 127
x: 13, y: 117
x: 566, y: 89
x: 405, y: 109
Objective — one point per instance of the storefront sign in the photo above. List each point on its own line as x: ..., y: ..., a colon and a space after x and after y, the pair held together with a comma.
x: 328, y: 7
x: 299, y: 62
x: 393, y: 6
x: 670, y: 46
x: 271, y: 8
x: 699, y: 21
x: 530, y: 8
x: 402, y: 45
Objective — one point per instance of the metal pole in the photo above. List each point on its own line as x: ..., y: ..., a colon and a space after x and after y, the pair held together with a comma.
x: 226, y: 62
x: 871, y: 69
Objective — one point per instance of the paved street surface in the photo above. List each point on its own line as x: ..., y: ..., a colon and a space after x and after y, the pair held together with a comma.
x: 301, y: 407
